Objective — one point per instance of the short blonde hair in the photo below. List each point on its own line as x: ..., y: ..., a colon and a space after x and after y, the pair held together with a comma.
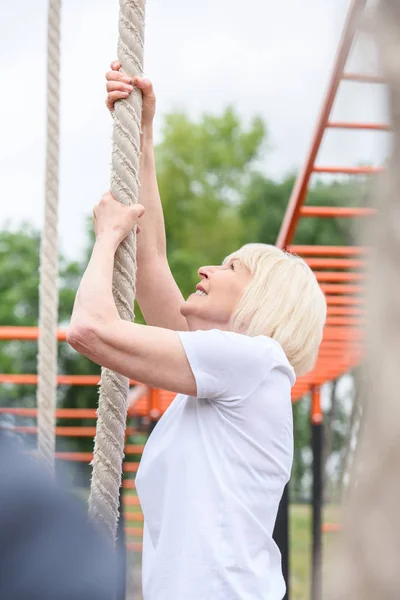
x: 283, y: 301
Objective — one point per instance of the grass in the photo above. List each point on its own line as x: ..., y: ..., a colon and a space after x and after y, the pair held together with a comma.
x: 300, y: 547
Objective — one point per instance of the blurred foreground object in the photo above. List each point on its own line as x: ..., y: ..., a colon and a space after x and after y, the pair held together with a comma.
x: 368, y: 566
x: 49, y: 550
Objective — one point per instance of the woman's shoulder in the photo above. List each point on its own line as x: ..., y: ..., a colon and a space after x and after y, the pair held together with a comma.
x: 263, y: 342
x: 261, y: 349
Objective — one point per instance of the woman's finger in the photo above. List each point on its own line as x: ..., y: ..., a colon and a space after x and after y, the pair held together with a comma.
x: 145, y: 85
x: 112, y: 98
x: 118, y: 76
x: 136, y: 210
x: 113, y: 86
x: 115, y: 65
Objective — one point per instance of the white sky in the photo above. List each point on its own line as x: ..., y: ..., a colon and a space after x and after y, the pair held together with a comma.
x: 264, y: 56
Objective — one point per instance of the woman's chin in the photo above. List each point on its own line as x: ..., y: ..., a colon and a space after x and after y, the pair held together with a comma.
x: 193, y: 311
x: 188, y: 306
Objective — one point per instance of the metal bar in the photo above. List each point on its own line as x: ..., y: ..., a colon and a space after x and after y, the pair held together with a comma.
x: 331, y: 528
x: 130, y: 467
x: 337, y: 288
x: 135, y: 531
x: 336, y: 211
x: 133, y: 516
x: 349, y: 170
x: 31, y: 379
x: 75, y: 456
x: 317, y: 492
x: 329, y: 250
x: 345, y: 321
x: 344, y: 300
x: 292, y: 214
x: 335, y: 263
x: 346, y: 311
x: 131, y: 501
x: 337, y: 333
x: 129, y: 484
x: 25, y: 333
x: 363, y: 126
x: 66, y: 413
x: 339, y: 276
x: 134, y: 546
x: 362, y: 78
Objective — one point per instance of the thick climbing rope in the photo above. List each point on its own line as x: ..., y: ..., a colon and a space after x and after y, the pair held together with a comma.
x: 48, y: 290
x: 368, y: 558
x: 112, y: 410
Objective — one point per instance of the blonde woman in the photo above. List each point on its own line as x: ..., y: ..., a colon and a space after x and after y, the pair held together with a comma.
x: 215, y: 467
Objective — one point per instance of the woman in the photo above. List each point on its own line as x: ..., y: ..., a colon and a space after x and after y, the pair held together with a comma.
x: 215, y: 467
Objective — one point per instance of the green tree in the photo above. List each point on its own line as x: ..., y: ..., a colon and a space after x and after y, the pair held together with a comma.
x: 203, y: 169
x: 19, y: 304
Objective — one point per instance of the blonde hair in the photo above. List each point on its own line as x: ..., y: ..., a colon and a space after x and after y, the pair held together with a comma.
x: 283, y: 301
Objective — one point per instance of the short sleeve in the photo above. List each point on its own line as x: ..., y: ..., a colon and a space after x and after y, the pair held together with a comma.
x: 229, y: 366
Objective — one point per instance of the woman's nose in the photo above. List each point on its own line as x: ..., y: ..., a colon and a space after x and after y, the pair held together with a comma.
x: 206, y: 272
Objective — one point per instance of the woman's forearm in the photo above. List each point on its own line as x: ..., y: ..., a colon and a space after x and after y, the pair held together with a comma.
x: 151, y: 242
x: 94, y: 300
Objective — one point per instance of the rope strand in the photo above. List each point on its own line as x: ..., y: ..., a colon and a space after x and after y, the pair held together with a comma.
x: 112, y: 410
x: 48, y: 290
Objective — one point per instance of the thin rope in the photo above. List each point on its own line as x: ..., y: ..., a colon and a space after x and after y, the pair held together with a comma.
x: 48, y: 289
x: 112, y: 410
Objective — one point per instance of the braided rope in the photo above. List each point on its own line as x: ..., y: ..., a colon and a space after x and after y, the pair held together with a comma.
x: 48, y: 291
x: 112, y: 410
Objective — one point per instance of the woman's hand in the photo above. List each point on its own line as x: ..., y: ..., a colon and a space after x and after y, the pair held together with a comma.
x: 114, y: 221
x: 119, y: 86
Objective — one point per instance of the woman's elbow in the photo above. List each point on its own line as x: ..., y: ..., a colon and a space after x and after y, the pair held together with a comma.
x: 81, y: 337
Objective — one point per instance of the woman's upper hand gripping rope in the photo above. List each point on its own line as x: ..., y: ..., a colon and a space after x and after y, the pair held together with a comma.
x: 119, y: 86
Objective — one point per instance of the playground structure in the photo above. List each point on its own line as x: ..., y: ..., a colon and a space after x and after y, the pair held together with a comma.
x: 340, y: 271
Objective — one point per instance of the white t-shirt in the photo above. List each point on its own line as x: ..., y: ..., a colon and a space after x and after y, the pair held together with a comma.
x: 213, y: 472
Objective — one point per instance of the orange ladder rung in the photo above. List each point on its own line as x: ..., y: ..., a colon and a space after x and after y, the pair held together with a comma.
x: 331, y: 528
x: 135, y: 531
x: 328, y: 250
x: 358, y: 126
x: 338, y: 276
x: 133, y: 516
x: 134, y: 546
x: 363, y: 78
x: 348, y: 170
x: 336, y: 211
x: 335, y: 263
x: 337, y: 288
x: 131, y: 501
x: 344, y: 300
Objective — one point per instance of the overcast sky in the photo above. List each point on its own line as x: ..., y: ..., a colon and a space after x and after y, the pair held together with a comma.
x: 263, y: 56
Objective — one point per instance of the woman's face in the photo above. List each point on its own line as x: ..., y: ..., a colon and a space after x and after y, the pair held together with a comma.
x: 216, y: 296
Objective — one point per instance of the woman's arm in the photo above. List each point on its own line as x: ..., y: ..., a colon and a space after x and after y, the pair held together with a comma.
x: 157, y: 292
x: 151, y: 355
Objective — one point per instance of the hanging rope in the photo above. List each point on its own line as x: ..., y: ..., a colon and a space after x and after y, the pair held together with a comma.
x: 368, y: 560
x: 110, y: 430
x: 48, y: 289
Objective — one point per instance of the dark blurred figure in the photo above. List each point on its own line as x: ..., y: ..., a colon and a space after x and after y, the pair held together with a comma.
x: 49, y: 550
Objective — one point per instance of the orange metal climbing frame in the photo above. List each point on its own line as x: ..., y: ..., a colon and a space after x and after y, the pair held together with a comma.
x: 340, y: 270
